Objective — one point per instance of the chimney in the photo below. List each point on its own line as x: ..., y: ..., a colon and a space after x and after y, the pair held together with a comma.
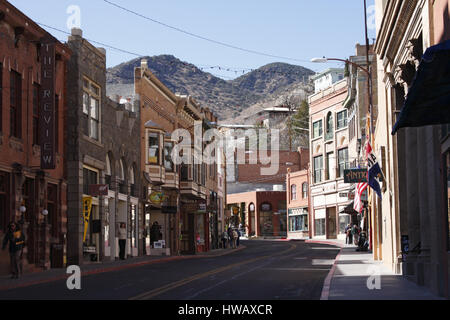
x: 77, y: 32
x: 144, y: 64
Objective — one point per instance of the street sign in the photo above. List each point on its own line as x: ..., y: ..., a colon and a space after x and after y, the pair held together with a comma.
x: 355, y: 175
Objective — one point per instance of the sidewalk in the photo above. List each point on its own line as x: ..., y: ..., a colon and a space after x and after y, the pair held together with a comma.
x: 354, y: 272
x: 51, y: 275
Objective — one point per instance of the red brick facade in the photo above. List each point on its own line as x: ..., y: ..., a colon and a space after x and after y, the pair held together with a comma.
x: 22, y: 182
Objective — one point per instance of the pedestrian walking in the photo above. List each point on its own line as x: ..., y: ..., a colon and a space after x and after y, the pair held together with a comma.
x: 355, y: 234
x: 348, y: 232
x: 230, y: 236
x: 224, y: 240
x: 238, y: 236
x: 16, y: 240
x: 235, y: 237
x: 122, y: 240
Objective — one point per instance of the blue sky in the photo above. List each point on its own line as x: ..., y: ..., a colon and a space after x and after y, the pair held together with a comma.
x: 300, y: 29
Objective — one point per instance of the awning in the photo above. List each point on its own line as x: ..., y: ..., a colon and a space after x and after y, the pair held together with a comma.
x: 428, y: 100
x: 349, y: 209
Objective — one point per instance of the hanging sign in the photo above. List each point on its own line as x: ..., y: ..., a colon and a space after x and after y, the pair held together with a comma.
x: 87, y: 208
x: 47, y: 103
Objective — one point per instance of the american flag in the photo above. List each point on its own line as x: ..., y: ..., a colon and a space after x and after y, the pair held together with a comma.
x: 357, y: 203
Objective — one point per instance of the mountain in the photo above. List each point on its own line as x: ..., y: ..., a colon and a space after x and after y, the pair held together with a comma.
x: 228, y: 99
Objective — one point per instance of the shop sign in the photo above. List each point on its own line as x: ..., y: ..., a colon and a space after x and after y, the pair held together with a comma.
x: 156, y: 197
x: 355, y: 175
x: 202, y: 207
x: 297, y: 211
x: 235, y: 210
x: 90, y: 249
x: 47, y: 103
x: 96, y: 190
x: 87, y: 208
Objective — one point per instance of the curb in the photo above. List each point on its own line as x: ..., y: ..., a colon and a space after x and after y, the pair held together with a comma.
x: 116, y: 268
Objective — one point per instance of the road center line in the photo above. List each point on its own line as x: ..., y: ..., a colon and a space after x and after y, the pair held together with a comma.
x: 158, y: 291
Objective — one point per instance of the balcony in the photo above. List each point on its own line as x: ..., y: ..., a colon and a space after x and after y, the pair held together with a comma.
x: 157, y: 173
x: 171, y: 180
x: 189, y: 189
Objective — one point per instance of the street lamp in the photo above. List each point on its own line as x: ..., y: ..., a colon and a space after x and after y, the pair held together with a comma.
x: 325, y: 60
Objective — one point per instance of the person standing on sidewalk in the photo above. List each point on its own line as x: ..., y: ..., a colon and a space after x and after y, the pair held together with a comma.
x: 122, y: 240
x: 230, y: 236
x: 224, y: 240
x: 355, y: 234
x: 235, y: 237
x: 348, y: 232
x: 16, y: 241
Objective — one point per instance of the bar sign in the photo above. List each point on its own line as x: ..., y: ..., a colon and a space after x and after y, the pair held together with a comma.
x: 47, y: 106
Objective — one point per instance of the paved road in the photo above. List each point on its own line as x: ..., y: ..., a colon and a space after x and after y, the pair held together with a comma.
x: 265, y: 270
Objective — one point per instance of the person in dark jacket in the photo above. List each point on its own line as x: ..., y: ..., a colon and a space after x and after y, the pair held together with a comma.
x: 16, y: 240
x: 230, y: 236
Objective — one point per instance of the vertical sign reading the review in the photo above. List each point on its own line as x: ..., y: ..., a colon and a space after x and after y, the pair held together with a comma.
x: 47, y: 107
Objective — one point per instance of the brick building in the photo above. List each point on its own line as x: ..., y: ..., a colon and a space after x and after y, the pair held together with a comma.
x: 297, y: 196
x: 158, y: 109
x: 182, y: 199
x: 261, y: 213
x: 30, y: 194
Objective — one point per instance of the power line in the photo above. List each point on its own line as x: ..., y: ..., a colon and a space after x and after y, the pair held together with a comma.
x: 202, y: 37
x: 201, y: 67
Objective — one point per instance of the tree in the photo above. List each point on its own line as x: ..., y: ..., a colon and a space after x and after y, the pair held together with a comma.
x: 298, y: 121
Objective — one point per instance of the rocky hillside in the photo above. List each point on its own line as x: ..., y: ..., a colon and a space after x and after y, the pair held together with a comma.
x: 228, y: 99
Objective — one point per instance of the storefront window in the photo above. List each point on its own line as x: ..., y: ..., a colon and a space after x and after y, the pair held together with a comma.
x: 298, y: 223
x: 319, y: 227
x: 153, y: 148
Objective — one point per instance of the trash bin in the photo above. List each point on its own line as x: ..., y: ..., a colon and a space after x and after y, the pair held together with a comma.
x: 57, y: 256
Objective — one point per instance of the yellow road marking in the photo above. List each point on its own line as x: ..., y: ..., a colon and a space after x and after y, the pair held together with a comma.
x: 156, y: 292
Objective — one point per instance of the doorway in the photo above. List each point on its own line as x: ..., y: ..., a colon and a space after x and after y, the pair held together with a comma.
x: 331, y: 223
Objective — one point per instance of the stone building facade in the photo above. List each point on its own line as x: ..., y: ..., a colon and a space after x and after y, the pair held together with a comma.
x: 102, y: 149
x: 32, y: 196
x: 413, y: 213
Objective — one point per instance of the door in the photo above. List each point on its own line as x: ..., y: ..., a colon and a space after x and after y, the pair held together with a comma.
x: 187, y: 234
x: 331, y: 223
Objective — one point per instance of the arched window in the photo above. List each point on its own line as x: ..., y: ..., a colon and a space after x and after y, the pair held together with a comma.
x: 131, y: 177
x: 121, y: 175
x: 293, y: 192
x: 305, y: 190
x: 108, y: 166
